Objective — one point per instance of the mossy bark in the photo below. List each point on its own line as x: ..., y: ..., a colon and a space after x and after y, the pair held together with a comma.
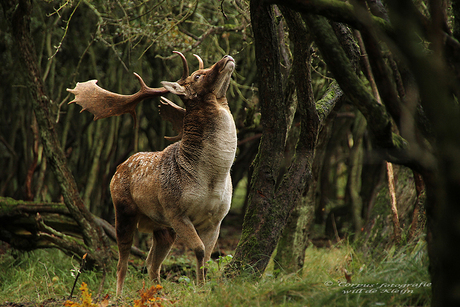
x: 351, y: 84
x: 271, y: 202
x: 262, y: 221
x: 258, y: 240
x: 271, y: 199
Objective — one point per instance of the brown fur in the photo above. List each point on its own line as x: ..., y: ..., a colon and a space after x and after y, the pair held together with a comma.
x: 184, y: 190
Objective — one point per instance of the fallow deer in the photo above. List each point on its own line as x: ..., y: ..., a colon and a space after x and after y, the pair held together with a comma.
x: 186, y: 189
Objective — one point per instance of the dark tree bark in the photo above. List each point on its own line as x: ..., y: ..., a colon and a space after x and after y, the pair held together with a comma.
x: 292, y: 244
x: 258, y: 239
x: 443, y: 187
x: 96, y: 244
x: 271, y: 200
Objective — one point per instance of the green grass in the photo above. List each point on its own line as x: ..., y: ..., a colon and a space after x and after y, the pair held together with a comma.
x: 396, y: 277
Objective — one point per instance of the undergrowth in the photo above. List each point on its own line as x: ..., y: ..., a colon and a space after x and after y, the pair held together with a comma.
x: 337, y: 276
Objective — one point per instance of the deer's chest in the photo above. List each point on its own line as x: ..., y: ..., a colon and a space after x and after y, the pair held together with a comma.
x: 211, y: 189
x: 219, y: 148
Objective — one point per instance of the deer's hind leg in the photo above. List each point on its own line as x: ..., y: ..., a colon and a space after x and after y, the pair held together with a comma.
x: 126, y: 219
x: 163, y: 240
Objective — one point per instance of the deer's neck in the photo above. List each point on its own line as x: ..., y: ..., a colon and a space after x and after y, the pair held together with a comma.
x: 209, y: 140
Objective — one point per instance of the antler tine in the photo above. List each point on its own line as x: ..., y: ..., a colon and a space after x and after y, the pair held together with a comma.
x: 141, y: 81
x: 146, y: 92
x: 185, y: 64
x: 199, y: 61
x: 173, y: 113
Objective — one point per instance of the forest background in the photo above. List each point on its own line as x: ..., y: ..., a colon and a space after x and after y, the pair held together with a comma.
x: 347, y: 117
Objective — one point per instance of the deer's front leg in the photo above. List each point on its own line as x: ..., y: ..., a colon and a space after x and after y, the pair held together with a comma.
x: 185, y: 230
x: 209, y: 238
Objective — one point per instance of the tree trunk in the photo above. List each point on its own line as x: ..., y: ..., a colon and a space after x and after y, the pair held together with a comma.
x: 291, y: 246
x: 262, y: 224
x: 442, y: 179
x: 418, y: 216
x: 96, y: 243
x: 271, y: 202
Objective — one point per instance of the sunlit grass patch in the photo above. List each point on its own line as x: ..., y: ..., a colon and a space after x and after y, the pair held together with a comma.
x: 34, y: 276
x: 394, y: 277
x: 323, y: 264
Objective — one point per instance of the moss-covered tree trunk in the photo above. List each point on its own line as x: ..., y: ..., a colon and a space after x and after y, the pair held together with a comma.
x: 262, y: 222
x: 96, y: 244
x: 271, y: 198
x: 291, y: 246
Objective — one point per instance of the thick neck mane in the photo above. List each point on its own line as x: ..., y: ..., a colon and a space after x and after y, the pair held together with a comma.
x: 209, y: 136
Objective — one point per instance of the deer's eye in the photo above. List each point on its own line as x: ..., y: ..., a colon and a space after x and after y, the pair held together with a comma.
x: 197, y: 77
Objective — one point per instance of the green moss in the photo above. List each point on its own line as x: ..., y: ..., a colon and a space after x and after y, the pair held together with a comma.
x: 382, y: 202
x: 399, y: 142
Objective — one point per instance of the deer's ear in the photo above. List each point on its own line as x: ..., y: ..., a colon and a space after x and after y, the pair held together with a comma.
x: 174, y: 88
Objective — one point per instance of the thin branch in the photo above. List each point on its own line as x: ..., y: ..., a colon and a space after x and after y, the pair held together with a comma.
x: 367, y: 66
x: 394, y: 208
x: 335, y: 10
x: 210, y: 31
x: 186, y: 16
x: 56, y: 11
x: 148, y: 11
x: 58, y: 47
x: 64, y: 242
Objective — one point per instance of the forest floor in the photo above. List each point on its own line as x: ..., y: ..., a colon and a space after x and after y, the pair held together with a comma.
x: 179, y: 263
x: 398, y: 277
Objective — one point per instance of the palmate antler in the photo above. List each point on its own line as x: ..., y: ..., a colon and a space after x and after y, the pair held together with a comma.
x: 103, y: 103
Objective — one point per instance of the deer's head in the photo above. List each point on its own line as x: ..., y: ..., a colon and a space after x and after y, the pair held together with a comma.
x: 213, y: 81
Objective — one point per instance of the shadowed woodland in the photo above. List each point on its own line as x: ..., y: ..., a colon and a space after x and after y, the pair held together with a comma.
x: 346, y: 111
